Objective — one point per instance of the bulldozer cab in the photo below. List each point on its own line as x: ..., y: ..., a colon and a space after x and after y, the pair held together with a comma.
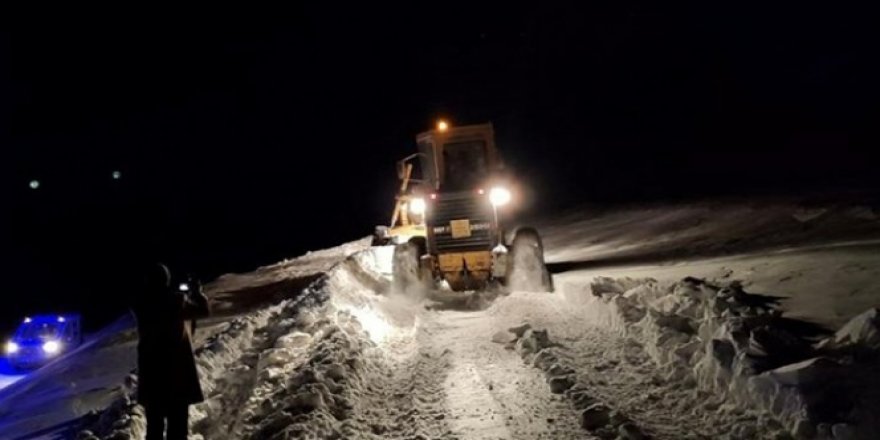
x: 458, y: 158
x: 449, y: 226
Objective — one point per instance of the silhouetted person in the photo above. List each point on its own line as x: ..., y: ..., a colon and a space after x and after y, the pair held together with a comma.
x: 168, y: 381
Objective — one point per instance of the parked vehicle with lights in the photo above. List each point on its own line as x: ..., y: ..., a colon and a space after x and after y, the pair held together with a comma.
x: 449, y: 223
x: 42, y: 338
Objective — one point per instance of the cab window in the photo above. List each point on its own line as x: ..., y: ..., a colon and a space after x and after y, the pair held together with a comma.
x: 43, y: 330
x: 464, y: 165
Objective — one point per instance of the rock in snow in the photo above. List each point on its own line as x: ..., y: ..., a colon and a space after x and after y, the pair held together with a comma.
x: 595, y: 416
x: 503, y: 337
x: 520, y: 330
x: 559, y: 384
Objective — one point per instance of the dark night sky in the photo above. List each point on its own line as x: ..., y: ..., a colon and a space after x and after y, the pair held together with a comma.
x: 247, y: 136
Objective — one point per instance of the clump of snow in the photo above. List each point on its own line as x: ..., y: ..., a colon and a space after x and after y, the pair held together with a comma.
x: 604, y: 285
x: 863, y: 331
x: 738, y: 345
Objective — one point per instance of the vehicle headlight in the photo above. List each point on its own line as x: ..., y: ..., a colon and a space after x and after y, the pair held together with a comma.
x: 499, y: 196
x: 51, y: 347
x: 417, y: 206
x: 11, y: 347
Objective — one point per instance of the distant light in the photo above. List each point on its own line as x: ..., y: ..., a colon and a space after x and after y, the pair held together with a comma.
x: 51, y: 347
x: 433, y: 196
x: 499, y: 196
x: 11, y: 347
x: 117, y: 175
x: 184, y: 287
x: 481, y: 191
x: 61, y: 319
x: 34, y: 184
x: 27, y: 319
x: 442, y: 125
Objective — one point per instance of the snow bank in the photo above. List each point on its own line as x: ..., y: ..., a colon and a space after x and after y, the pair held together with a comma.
x: 312, y: 361
x: 861, y: 331
x: 739, y: 347
x: 290, y: 370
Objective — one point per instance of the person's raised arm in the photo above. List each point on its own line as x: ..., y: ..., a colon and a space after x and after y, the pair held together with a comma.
x: 196, y: 304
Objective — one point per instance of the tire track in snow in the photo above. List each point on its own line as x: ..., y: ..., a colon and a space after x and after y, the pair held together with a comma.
x: 477, y: 419
x: 618, y: 371
x: 490, y: 392
x: 404, y: 396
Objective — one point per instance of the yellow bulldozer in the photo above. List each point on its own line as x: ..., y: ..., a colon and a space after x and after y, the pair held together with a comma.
x: 448, y: 223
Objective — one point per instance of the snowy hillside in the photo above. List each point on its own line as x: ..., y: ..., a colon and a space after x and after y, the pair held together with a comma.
x: 665, y: 324
x: 824, y: 258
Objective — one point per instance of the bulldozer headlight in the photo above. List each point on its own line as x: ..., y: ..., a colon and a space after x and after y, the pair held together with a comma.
x: 417, y: 206
x: 499, y: 196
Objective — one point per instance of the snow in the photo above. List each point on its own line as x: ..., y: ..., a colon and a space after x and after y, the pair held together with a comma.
x: 643, y: 234
x: 701, y: 321
x: 863, y: 330
x: 741, y: 351
x: 828, y: 268
x: 8, y: 375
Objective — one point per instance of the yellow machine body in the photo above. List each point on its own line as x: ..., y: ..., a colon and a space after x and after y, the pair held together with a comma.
x: 459, y: 225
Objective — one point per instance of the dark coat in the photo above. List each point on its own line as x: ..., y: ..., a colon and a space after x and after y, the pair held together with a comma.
x: 167, y: 374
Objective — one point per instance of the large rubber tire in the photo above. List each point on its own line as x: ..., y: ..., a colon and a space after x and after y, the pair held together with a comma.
x: 526, y: 269
x: 421, y: 245
x: 407, y: 273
